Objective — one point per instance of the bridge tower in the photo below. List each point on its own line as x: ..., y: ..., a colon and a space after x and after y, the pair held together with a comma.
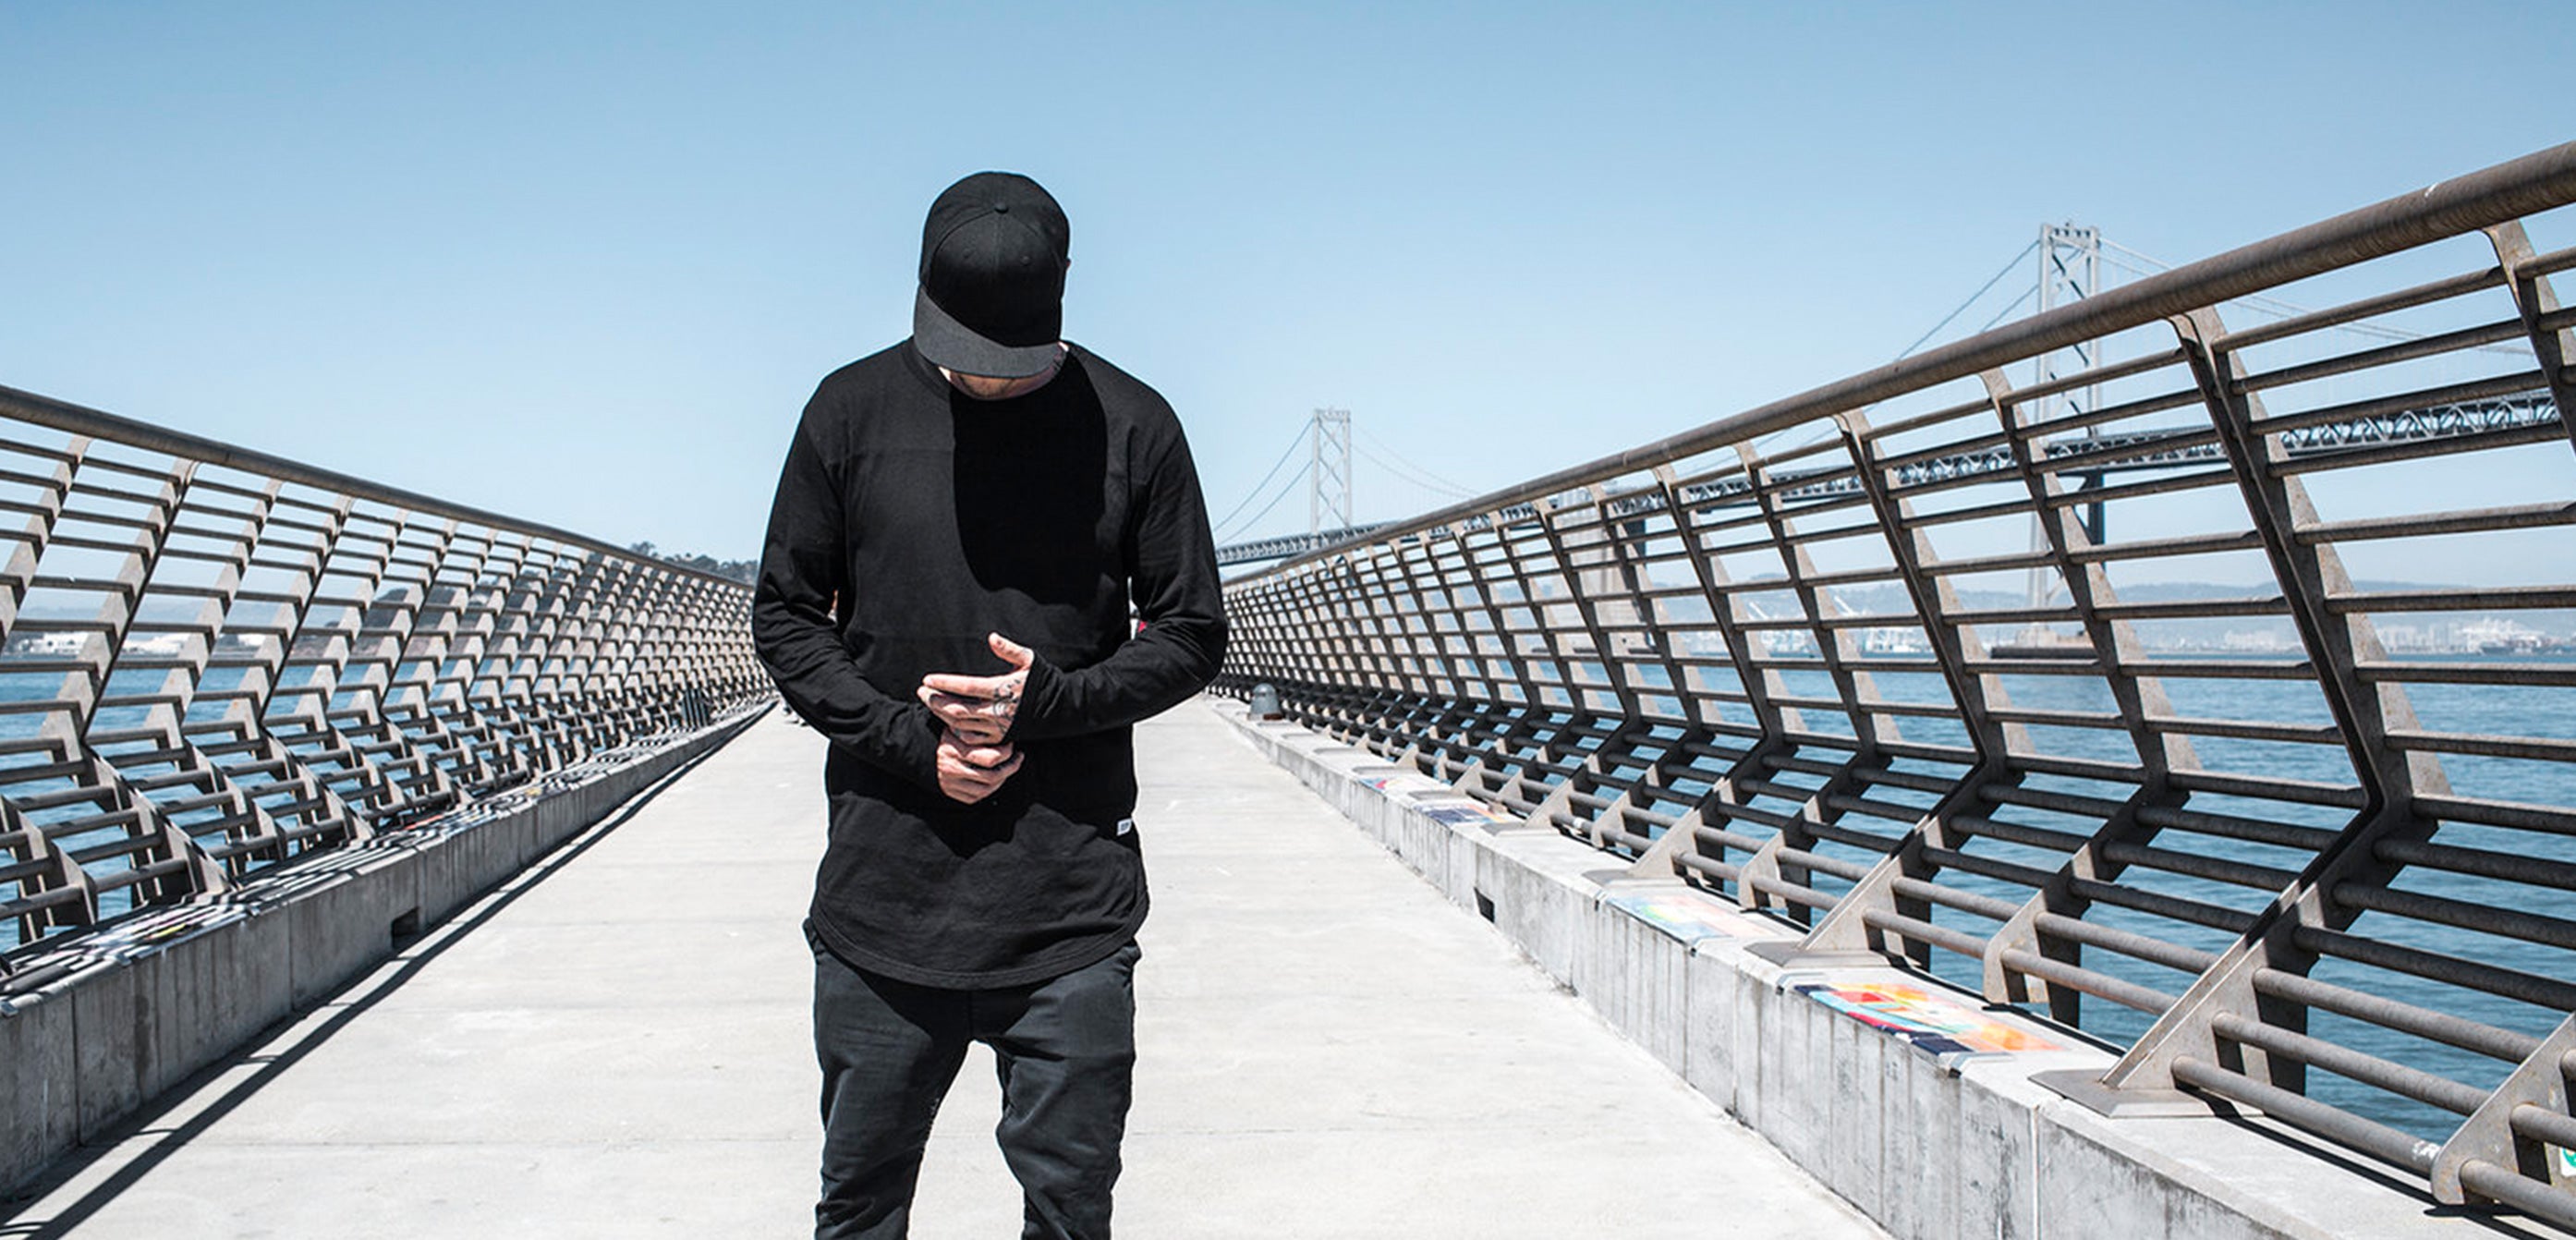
x: 2070, y: 270
x: 1328, y: 498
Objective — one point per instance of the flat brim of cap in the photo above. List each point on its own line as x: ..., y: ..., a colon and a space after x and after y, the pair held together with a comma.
x: 949, y: 343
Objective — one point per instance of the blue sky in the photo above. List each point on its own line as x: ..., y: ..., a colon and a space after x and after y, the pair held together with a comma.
x: 583, y: 262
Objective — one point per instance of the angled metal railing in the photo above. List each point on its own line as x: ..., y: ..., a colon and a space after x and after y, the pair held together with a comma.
x: 2205, y: 685
x: 214, y: 661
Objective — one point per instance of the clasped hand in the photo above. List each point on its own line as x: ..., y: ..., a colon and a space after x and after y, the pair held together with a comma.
x: 975, y: 714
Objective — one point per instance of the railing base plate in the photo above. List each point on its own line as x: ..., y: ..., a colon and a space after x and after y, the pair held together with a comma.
x: 2087, y: 1089
x: 1786, y: 953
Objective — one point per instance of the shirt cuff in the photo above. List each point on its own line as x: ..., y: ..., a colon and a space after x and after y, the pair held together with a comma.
x: 1041, y: 697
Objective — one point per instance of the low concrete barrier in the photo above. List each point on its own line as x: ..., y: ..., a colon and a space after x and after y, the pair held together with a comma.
x: 154, y: 998
x: 1910, y: 1099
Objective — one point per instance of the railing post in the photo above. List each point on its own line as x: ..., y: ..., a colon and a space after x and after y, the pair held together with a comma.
x: 1757, y: 682
x: 1843, y: 929
x: 2507, y: 1149
x: 196, y: 870
x: 1579, y: 578
x: 2069, y: 532
x: 443, y: 699
x: 328, y: 817
x: 2309, y: 575
x: 69, y: 898
x: 2535, y: 300
x: 252, y: 835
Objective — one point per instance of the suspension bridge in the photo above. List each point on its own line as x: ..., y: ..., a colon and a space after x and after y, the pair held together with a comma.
x: 2069, y: 264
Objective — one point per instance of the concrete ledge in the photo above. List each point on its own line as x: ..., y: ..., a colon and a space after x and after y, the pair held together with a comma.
x: 169, y: 991
x: 1934, y: 1136
x: 39, y: 1080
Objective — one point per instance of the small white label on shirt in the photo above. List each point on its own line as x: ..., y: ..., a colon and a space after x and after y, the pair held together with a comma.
x: 1126, y: 826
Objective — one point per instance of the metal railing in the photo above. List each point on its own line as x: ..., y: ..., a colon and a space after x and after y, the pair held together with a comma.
x: 214, y: 661
x: 2110, y: 664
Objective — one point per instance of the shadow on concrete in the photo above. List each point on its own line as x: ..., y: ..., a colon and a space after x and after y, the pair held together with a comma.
x: 414, y: 957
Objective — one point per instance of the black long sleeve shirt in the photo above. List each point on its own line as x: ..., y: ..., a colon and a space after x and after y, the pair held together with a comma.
x: 912, y: 520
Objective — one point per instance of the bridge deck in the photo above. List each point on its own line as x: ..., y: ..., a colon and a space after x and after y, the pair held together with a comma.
x: 616, y: 1044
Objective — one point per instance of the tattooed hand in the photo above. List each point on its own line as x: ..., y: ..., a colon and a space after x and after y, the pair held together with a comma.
x: 980, y: 709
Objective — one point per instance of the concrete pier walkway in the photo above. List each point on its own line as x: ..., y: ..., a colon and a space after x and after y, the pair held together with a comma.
x: 616, y: 1045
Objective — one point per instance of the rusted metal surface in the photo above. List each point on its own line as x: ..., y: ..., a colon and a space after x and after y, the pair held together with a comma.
x: 2208, y: 685
x: 214, y: 661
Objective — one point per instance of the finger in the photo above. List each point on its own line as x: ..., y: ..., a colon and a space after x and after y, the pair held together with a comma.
x: 949, y: 706
x: 937, y: 699
x: 1013, y: 653
x: 953, y: 717
x: 978, y: 687
x: 969, y: 775
x: 971, y: 753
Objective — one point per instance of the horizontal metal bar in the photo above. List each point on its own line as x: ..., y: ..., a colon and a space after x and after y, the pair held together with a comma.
x: 1943, y: 937
x: 2485, y: 863
x: 1987, y: 907
x: 2238, y: 827
x: 2345, y: 1062
x: 2173, y: 956
x: 2215, y: 869
x: 2545, y: 992
x: 2468, y: 1035
x: 2535, y: 748
x: 1987, y: 867
x: 2018, y: 833
x: 2541, y: 1124
x: 2560, y: 675
x: 2551, y: 819
x: 2402, y: 351
x: 2127, y: 994
x: 2375, y: 1139
x: 2503, y: 1184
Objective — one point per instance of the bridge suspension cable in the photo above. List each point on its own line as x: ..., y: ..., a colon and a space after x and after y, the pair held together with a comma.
x: 1286, y: 489
x: 1406, y: 471
x: 1329, y: 434
x: 1982, y: 290
x: 1255, y: 492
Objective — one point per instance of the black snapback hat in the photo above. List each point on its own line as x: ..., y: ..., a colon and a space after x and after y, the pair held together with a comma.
x: 992, y: 278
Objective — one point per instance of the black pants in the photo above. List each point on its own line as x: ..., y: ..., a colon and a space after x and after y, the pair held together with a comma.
x: 1066, y: 1049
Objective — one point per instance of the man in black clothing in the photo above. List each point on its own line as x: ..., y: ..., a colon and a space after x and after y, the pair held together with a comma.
x: 961, y: 528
